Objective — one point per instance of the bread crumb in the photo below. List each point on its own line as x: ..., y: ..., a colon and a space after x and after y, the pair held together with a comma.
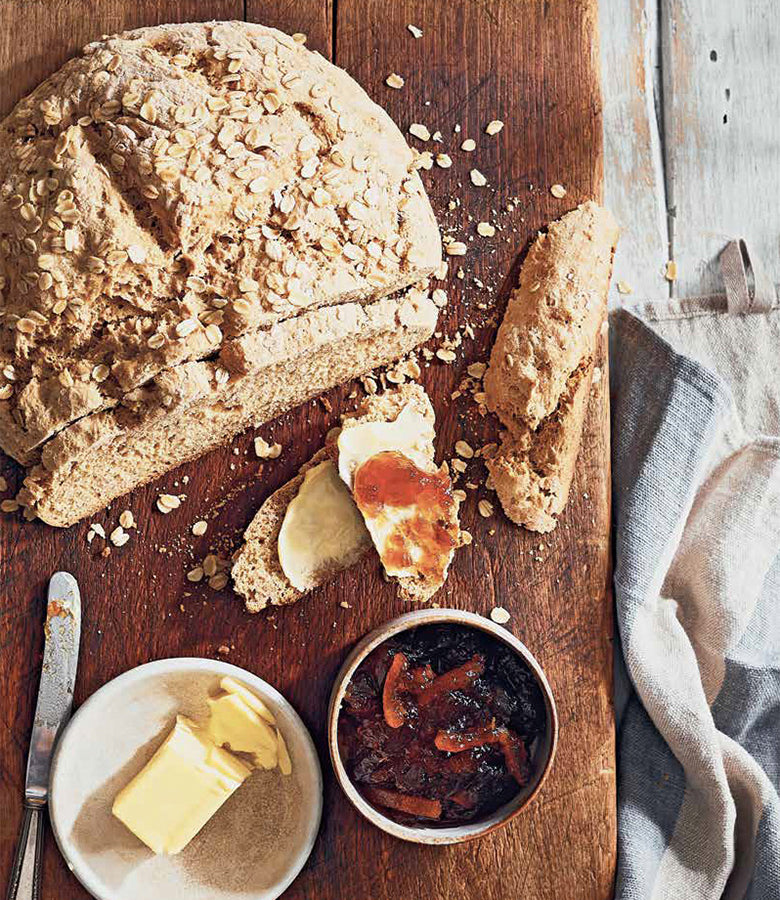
x: 415, y: 31
x: 624, y: 287
x: 264, y: 450
x: 345, y: 605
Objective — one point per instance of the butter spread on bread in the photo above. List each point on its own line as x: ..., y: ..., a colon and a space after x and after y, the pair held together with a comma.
x: 322, y: 530
x: 541, y: 365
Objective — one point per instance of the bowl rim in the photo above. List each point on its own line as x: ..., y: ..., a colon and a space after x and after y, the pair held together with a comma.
x: 453, y: 834
x: 75, y: 860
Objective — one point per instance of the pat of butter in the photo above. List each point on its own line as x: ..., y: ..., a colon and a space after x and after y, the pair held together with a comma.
x: 235, y: 725
x: 322, y: 529
x: 179, y: 789
x: 411, y: 434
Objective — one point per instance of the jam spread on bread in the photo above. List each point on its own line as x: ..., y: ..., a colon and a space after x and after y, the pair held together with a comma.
x: 410, y: 512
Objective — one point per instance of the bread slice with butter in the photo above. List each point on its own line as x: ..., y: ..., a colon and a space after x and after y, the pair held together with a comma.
x: 259, y: 574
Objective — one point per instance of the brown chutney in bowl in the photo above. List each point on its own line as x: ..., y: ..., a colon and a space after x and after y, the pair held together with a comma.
x: 439, y: 725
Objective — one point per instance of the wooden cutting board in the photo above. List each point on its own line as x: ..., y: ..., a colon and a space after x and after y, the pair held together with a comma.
x: 533, y: 65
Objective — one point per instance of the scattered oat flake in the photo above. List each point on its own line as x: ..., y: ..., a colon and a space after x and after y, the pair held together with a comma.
x: 299, y: 37
x: 419, y: 131
x: 199, y: 528
x: 446, y: 356
x: 9, y: 506
x: 558, y: 191
x: 439, y: 297
x: 624, y: 287
x: 3, y: 484
x: 499, y: 615
x: 456, y: 248
x: 468, y: 145
x: 477, y: 369
x: 345, y: 605
x: 485, y: 508
x: 218, y: 581
x: 126, y: 519
x: 486, y: 229
x: 464, y: 449
x: 494, y: 127
x: 394, y: 80
x: 195, y: 574
x: 670, y: 274
x: 443, y: 160
x: 477, y: 178
x: 168, y: 502
x: 416, y: 32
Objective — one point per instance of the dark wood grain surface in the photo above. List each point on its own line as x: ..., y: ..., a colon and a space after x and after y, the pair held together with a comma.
x: 533, y: 65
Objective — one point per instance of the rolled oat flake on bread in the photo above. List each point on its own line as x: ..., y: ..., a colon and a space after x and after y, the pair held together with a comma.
x: 541, y: 366
x: 170, y: 200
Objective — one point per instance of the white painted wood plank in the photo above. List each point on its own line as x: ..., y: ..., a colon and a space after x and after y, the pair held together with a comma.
x: 721, y: 64
x: 633, y: 166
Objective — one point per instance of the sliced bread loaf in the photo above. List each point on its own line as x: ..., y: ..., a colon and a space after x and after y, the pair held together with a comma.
x: 185, y: 411
x: 541, y: 366
x: 169, y: 193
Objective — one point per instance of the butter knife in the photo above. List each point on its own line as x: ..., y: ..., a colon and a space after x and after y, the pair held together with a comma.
x: 55, y: 700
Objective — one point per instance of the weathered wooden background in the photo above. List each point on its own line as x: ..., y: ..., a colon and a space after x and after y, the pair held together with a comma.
x: 535, y: 66
x: 691, y: 138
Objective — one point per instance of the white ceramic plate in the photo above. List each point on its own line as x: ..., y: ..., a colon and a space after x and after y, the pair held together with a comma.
x: 251, y: 849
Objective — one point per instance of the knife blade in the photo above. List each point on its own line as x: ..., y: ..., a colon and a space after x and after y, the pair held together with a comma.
x: 62, y: 631
x: 58, y: 678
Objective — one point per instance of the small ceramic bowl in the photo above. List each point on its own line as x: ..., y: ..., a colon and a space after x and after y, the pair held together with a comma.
x: 251, y: 849
x: 542, y: 752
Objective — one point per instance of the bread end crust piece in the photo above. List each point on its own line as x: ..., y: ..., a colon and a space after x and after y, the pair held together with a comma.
x: 257, y: 572
x: 532, y: 471
x: 539, y: 377
x: 188, y: 410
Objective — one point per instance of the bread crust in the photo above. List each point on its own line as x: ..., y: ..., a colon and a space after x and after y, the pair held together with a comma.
x: 541, y: 365
x: 188, y: 186
x: 257, y: 572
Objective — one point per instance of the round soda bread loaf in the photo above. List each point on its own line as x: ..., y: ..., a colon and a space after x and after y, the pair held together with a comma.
x: 164, y: 197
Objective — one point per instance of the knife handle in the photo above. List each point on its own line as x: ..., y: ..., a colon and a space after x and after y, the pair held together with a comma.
x: 25, y: 883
